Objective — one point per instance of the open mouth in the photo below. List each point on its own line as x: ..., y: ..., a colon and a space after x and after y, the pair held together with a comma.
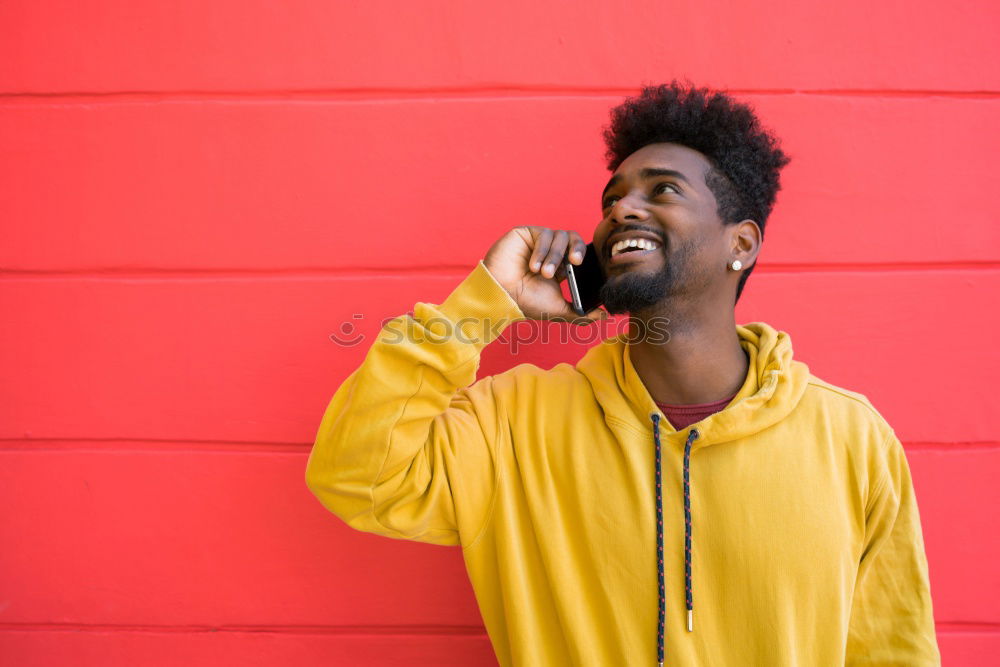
x: 631, y: 250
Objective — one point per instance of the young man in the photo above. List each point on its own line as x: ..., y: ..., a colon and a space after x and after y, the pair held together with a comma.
x: 597, y: 503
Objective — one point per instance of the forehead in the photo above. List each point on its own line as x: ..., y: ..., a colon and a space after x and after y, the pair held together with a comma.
x: 688, y: 161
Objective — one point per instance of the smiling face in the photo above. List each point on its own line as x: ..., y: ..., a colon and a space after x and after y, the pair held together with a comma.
x: 658, y: 194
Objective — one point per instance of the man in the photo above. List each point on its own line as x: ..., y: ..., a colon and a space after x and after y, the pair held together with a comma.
x: 597, y: 503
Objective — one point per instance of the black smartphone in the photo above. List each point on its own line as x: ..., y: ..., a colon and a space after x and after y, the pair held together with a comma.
x: 585, y: 281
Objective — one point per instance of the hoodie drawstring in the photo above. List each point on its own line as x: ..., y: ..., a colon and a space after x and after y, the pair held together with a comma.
x: 687, y: 528
x: 692, y: 434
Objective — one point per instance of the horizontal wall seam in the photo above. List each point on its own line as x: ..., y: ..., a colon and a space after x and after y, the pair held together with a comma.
x: 147, y: 445
x: 389, y: 94
x: 448, y: 271
x: 342, y: 630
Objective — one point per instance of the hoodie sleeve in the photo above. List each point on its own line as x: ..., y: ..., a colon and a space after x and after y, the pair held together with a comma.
x: 892, y: 621
x: 407, y: 448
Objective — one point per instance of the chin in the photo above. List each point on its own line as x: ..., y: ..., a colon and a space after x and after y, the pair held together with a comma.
x: 633, y: 291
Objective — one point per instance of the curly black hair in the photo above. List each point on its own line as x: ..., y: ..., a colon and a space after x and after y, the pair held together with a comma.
x: 745, y: 157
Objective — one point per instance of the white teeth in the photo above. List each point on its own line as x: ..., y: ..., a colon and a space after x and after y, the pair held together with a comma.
x: 644, y: 244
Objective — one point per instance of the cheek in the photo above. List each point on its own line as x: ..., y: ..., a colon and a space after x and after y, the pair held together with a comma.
x: 711, y: 253
x: 713, y: 237
x: 706, y: 249
x: 601, y: 232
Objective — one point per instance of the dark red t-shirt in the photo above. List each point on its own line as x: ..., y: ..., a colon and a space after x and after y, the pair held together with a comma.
x: 682, y: 416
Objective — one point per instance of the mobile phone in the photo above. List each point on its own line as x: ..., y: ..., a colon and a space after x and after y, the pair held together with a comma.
x: 585, y: 281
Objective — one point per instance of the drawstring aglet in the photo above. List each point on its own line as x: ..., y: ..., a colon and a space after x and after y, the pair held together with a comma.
x: 690, y: 620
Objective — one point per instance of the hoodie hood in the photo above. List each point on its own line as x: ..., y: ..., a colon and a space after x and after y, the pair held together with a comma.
x: 774, y: 385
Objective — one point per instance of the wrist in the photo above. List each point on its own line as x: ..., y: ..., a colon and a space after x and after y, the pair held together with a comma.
x: 480, y: 306
x: 493, y: 274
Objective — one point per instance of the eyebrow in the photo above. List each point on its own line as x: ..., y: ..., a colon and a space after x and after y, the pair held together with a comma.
x: 645, y: 174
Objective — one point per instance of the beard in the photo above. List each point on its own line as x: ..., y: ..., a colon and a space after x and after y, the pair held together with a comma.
x: 631, y: 290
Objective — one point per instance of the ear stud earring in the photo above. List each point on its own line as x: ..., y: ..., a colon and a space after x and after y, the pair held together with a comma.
x: 737, y: 265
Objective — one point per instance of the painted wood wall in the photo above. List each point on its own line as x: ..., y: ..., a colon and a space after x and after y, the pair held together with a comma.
x: 194, y: 196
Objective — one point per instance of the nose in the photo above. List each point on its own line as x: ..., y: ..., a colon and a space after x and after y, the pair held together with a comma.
x: 626, y: 209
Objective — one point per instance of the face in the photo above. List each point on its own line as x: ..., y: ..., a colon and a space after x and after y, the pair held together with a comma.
x: 659, y: 194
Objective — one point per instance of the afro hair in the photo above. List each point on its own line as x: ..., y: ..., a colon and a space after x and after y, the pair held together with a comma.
x: 746, y: 159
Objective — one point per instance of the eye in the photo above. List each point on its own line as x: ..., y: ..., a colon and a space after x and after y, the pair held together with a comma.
x: 659, y: 189
x: 608, y: 201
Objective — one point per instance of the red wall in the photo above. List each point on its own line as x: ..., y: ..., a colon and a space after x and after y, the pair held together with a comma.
x: 193, y: 196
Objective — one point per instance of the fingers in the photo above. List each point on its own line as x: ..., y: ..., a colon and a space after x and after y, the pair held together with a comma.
x: 557, y: 250
x: 543, y: 241
x: 550, y: 249
x: 577, y: 248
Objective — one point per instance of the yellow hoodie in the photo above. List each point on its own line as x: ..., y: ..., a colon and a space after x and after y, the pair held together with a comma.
x: 787, y: 520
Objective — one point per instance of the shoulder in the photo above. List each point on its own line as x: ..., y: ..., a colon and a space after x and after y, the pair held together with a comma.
x: 850, y: 416
x: 844, y: 401
x: 831, y: 392
x: 867, y: 440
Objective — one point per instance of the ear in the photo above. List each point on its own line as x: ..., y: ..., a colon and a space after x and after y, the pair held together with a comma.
x: 745, y: 240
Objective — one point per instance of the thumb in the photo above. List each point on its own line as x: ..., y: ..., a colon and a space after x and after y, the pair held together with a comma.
x: 593, y: 317
x: 596, y: 315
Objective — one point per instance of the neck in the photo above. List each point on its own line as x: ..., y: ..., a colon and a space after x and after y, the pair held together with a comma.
x: 686, y: 358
